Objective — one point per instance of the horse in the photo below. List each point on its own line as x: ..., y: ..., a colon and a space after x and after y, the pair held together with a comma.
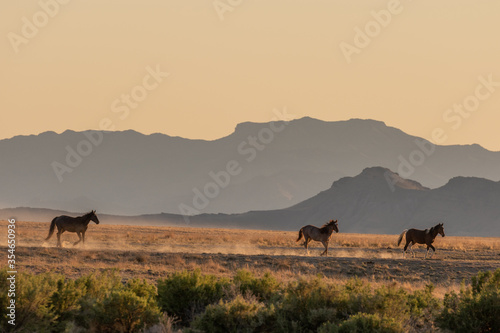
x: 72, y: 224
x: 322, y: 234
x: 426, y: 236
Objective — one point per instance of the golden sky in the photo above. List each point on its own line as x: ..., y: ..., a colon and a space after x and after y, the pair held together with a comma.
x: 70, y: 64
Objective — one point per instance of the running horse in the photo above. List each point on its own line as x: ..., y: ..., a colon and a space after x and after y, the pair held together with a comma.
x: 426, y: 236
x: 322, y: 234
x: 72, y: 224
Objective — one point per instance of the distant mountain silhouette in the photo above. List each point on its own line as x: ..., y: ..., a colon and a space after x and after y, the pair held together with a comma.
x: 364, y: 204
x: 129, y: 173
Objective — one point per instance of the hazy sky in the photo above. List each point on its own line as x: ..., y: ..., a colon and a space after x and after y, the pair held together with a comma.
x: 231, y: 61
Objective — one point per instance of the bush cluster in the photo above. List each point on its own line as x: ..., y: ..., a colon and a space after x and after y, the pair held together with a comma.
x: 97, y: 302
x: 101, y: 302
x: 474, y: 309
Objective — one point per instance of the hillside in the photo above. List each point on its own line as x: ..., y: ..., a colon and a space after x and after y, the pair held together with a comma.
x: 375, y: 201
x: 128, y: 173
x: 366, y: 204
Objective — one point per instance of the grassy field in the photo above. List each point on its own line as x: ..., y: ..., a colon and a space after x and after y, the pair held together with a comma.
x: 164, y: 279
x: 155, y: 252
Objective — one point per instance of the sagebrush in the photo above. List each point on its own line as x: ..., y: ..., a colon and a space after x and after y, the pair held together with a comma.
x: 197, y: 302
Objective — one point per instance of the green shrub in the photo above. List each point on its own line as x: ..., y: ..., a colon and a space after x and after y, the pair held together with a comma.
x: 125, y: 311
x: 352, y: 297
x: 369, y: 323
x: 106, y: 305
x: 237, y: 315
x: 100, y: 302
x: 4, y: 300
x: 45, y: 302
x: 34, y: 311
x: 65, y: 302
x: 98, y: 285
x: 263, y: 288
x: 49, y: 302
x: 310, y: 305
x: 320, y: 316
x: 186, y: 294
x: 408, y: 312
x: 390, y: 302
x: 142, y: 289
x: 474, y: 309
x: 306, y: 305
x: 423, y: 308
x: 328, y: 327
x: 95, y: 287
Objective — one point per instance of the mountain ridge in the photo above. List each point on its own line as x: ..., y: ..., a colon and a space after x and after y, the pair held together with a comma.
x: 365, y: 203
x: 130, y: 173
x: 238, y: 127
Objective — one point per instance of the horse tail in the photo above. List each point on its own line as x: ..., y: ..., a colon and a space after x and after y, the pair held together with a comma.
x: 401, y: 236
x: 52, y: 227
x: 300, y: 234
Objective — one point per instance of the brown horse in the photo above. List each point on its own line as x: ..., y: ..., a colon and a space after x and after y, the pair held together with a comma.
x: 426, y: 236
x: 322, y: 234
x: 72, y: 224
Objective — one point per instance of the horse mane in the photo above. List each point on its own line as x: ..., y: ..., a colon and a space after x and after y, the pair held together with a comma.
x: 324, y: 228
x: 433, y: 230
x: 88, y: 214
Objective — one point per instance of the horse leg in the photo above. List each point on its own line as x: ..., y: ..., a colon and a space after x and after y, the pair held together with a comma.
x: 406, y: 247
x: 305, y: 245
x: 59, y: 233
x: 325, y: 244
x: 409, y: 247
x: 79, y: 238
x: 83, y: 238
x: 433, y: 250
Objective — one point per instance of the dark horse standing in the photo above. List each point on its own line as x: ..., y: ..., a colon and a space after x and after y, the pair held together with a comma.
x: 322, y: 234
x: 426, y: 236
x: 72, y: 224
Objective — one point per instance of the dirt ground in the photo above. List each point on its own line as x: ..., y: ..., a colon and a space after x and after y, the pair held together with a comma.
x: 155, y: 252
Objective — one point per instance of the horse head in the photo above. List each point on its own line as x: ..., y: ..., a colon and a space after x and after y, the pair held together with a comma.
x: 440, y: 229
x: 334, y: 224
x: 93, y: 217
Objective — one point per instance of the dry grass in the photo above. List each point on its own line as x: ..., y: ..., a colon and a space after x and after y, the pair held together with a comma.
x: 445, y: 243
x: 154, y: 252
x: 199, y: 239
